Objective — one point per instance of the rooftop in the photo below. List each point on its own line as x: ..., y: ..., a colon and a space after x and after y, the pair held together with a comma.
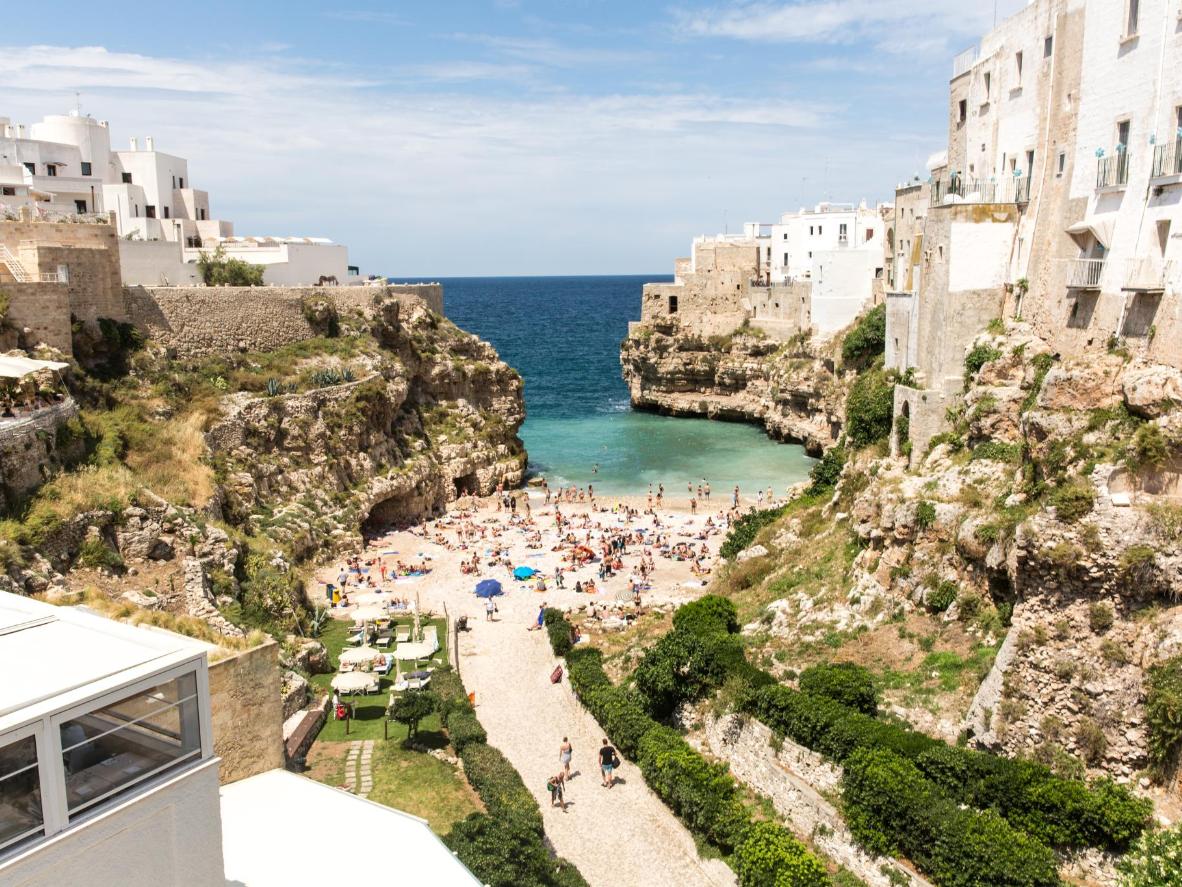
x: 67, y: 654
x: 257, y: 818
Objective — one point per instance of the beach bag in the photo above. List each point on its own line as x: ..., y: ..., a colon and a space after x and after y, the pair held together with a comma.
x: 556, y: 675
x: 615, y: 760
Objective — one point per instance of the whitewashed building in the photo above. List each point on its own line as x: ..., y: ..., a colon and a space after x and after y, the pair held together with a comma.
x: 108, y: 775
x: 65, y: 165
x: 1060, y: 200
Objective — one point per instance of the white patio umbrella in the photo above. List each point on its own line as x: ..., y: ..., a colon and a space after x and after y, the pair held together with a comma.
x: 358, y: 655
x: 352, y: 681
x: 368, y: 613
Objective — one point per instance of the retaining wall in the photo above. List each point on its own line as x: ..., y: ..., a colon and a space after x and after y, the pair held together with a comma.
x: 247, y: 711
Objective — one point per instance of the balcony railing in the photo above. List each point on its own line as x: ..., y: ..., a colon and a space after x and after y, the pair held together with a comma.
x: 1011, y: 189
x: 964, y: 61
x: 1167, y: 159
x: 1113, y: 172
x: 1147, y: 275
x: 1084, y: 274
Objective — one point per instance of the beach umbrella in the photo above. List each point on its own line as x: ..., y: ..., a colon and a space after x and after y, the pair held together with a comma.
x: 368, y: 613
x: 523, y: 572
x: 488, y: 588
x: 352, y: 681
x: 358, y: 655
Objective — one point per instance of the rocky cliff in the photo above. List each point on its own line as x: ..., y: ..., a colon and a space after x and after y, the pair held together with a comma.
x: 789, y: 388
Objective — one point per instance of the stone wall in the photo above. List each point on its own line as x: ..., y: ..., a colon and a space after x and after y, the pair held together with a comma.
x: 39, y: 313
x: 29, y: 450
x: 793, y: 778
x: 208, y: 320
x: 247, y: 708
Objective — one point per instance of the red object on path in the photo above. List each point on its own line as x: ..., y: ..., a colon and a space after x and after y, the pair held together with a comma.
x: 556, y: 675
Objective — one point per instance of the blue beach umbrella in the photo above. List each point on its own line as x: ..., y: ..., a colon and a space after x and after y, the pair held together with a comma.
x: 523, y: 572
x: 488, y: 588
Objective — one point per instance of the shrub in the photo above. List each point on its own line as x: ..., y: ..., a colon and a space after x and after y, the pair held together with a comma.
x: 1150, y: 447
x: 925, y: 514
x: 998, y: 451
x: 712, y: 614
x: 96, y: 554
x: 978, y: 357
x: 1163, y: 710
x: 825, y: 474
x: 843, y: 682
x: 1155, y: 859
x: 869, y: 408
x: 1100, y: 616
x: 217, y: 270
x: 499, y: 785
x: 679, y: 668
x: 1072, y: 500
x: 892, y: 808
x: 867, y: 339
x: 770, y: 856
x: 743, y: 532
x: 507, y: 852
x: 559, y: 631
x: 1090, y: 740
x: 940, y: 598
x: 411, y: 707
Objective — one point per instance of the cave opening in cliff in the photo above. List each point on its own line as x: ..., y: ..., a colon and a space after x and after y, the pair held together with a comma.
x: 384, y: 516
x: 468, y: 485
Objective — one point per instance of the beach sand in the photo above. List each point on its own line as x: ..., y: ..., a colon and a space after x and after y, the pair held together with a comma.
x: 623, y: 835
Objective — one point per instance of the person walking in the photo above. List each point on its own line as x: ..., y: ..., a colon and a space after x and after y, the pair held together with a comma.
x: 565, y: 751
x: 608, y: 761
x: 555, y: 785
x: 489, y: 609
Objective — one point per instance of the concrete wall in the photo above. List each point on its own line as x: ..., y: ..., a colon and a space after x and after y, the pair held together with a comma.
x: 843, y: 284
x: 901, y: 331
x: 209, y: 320
x: 171, y: 834
x: 156, y: 263
x: 246, y: 709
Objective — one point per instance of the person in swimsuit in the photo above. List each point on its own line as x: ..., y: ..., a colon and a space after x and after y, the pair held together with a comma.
x: 564, y: 755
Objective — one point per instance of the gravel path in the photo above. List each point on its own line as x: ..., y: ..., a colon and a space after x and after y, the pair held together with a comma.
x: 619, y: 836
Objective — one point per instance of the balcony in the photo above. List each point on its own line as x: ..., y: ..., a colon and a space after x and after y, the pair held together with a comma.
x: 963, y: 62
x: 1167, y: 159
x: 1011, y: 189
x: 1147, y: 275
x: 1112, y: 172
x: 1084, y: 274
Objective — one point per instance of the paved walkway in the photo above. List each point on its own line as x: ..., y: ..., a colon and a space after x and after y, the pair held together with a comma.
x: 359, y: 768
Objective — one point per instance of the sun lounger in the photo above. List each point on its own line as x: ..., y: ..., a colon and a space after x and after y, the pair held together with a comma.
x: 403, y: 635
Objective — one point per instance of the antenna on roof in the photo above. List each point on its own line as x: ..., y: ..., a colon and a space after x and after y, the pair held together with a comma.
x: 77, y: 104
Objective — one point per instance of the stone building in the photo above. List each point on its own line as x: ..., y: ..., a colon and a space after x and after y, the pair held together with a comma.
x: 65, y: 167
x: 1059, y: 201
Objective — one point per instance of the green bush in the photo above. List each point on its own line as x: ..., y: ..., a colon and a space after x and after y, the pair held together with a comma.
x: 217, y: 270
x: 682, y: 666
x: 867, y: 340
x: 925, y: 514
x: 1150, y: 447
x: 711, y: 614
x: 940, y: 598
x: 1072, y: 500
x: 1155, y: 859
x: 1163, y: 710
x: 843, y: 682
x: 96, y: 554
x: 456, y: 713
x: 827, y: 471
x: 559, y: 631
x: 743, y: 532
x: 892, y: 808
x: 998, y: 451
x: 507, y: 852
x: 869, y: 408
x: 1100, y: 616
x: 770, y: 856
x: 978, y: 357
x: 411, y: 707
x: 499, y: 785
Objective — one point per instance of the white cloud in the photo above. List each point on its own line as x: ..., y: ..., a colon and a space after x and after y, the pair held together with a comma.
x: 927, y: 26
x: 437, y: 180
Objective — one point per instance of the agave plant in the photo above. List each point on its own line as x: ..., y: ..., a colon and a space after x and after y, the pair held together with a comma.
x: 274, y: 388
x: 317, y: 621
x: 347, y: 375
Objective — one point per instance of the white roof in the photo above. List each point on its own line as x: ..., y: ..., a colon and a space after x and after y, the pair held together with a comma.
x: 259, y: 813
x: 14, y: 367
x: 56, y: 657
x: 940, y: 158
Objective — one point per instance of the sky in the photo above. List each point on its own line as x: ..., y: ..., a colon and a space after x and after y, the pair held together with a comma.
x: 509, y: 136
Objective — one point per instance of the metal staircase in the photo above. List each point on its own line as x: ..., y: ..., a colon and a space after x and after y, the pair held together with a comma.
x: 15, y: 268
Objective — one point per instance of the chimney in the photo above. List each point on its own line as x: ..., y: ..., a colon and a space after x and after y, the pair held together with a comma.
x: 135, y: 146
x: 150, y: 144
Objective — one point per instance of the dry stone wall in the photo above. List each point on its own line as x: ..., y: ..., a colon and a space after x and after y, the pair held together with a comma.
x: 247, y: 712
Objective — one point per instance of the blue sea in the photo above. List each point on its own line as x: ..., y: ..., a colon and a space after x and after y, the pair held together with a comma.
x: 563, y: 335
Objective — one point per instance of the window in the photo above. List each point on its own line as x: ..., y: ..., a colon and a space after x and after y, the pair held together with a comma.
x: 106, y: 751
x: 1048, y: 46
x: 1134, y: 10
x: 878, y: 273
x: 1030, y: 163
x: 1122, y: 135
x: 810, y: 230
x: 127, y: 178
x: 150, y: 211
x: 8, y: 191
x: 21, y: 816
x: 32, y: 168
x: 86, y: 168
x: 819, y: 230
x: 1061, y: 165
x: 182, y: 181
x: 51, y: 170
x: 174, y: 183
x: 673, y: 304
x: 80, y: 206
x: 869, y: 234
x: 201, y: 214
x: 785, y: 258
x: 166, y: 211
x: 962, y: 110
x: 1018, y: 66
x: 785, y: 235
x: 842, y: 236
x: 988, y: 86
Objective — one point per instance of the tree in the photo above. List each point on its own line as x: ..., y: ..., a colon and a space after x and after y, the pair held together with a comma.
x: 217, y: 270
x: 411, y: 707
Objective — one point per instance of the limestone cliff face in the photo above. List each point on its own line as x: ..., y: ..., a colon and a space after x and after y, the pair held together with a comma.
x: 791, y: 389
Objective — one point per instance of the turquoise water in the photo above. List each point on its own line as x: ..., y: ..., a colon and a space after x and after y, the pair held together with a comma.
x: 563, y: 335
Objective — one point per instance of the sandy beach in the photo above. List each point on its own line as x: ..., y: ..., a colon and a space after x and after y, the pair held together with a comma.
x: 507, y: 665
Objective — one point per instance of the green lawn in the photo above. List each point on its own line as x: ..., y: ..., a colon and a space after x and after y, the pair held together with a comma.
x: 370, y: 711
x: 421, y: 785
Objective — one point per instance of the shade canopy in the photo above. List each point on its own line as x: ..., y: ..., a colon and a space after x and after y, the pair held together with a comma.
x: 352, y: 681
x: 412, y: 651
x: 358, y: 655
x: 523, y: 572
x: 12, y: 367
x: 1099, y: 227
x: 368, y: 613
x: 488, y: 588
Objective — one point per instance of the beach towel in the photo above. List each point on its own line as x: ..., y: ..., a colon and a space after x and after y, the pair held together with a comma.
x: 556, y: 675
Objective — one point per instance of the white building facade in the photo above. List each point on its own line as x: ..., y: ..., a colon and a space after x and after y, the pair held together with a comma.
x: 65, y: 165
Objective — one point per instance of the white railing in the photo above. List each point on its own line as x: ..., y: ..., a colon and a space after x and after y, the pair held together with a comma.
x: 1167, y: 159
x: 1147, y: 274
x: 1113, y: 171
x: 1011, y: 189
x: 50, y: 277
x: 965, y: 61
x: 1084, y: 273
x: 15, y: 268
